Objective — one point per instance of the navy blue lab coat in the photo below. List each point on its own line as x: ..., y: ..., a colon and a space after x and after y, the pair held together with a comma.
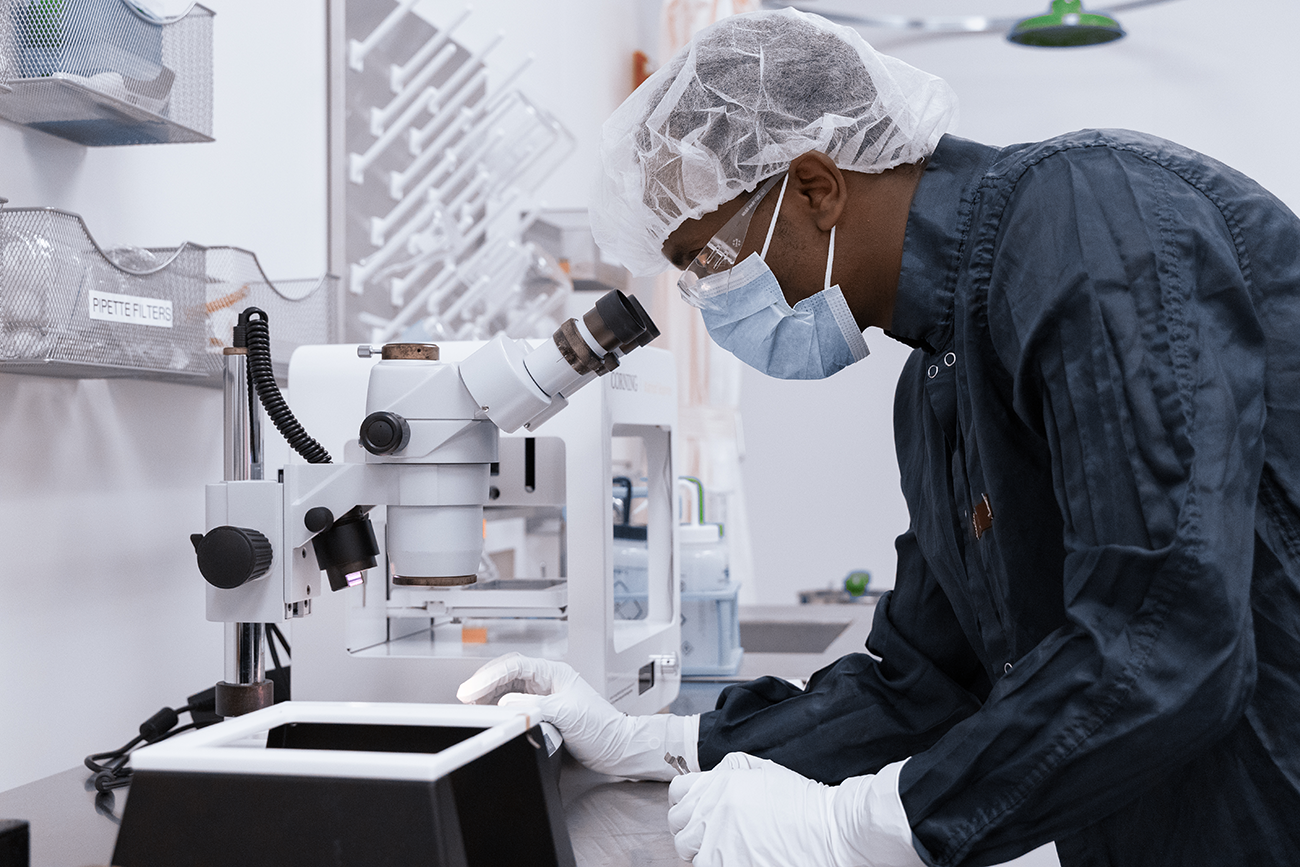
x: 1094, y: 636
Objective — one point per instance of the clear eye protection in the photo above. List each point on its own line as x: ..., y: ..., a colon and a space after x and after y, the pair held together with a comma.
x: 720, y: 253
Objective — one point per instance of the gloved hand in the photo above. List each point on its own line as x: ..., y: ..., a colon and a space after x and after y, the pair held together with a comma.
x: 751, y: 812
x: 656, y: 747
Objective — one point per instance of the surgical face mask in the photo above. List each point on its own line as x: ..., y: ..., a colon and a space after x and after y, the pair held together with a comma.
x: 746, y: 313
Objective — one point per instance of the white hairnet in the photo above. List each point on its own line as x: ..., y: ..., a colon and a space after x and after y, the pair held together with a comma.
x: 736, y: 105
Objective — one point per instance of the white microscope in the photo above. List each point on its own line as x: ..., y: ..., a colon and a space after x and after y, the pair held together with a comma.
x: 441, y: 452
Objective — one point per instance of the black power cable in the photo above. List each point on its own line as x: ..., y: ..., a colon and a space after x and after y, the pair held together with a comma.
x: 110, y: 768
x: 257, y: 337
x: 275, y: 655
x: 275, y: 631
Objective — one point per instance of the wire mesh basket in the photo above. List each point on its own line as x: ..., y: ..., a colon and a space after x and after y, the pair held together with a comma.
x: 101, y: 72
x: 299, y: 312
x: 70, y: 308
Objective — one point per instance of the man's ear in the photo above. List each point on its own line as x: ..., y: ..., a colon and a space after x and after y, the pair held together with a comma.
x: 819, y: 184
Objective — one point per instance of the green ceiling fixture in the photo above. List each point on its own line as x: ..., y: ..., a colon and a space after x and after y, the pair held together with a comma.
x: 1065, y: 26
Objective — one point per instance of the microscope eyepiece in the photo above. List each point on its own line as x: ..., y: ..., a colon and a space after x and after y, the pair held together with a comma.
x: 650, y: 332
x: 615, y: 326
x: 614, y: 321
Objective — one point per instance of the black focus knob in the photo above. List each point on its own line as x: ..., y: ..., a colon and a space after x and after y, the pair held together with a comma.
x: 318, y: 519
x: 383, y: 433
x: 230, y: 557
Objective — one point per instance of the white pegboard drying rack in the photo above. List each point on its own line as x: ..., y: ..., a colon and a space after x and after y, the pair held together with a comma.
x: 441, y: 172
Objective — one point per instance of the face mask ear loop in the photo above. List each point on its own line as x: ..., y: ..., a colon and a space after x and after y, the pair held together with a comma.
x: 830, y: 257
x: 771, y: 227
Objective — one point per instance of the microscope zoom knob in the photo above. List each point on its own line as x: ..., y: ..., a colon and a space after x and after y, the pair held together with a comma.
x: 230, y: 557
x: 383, y: 433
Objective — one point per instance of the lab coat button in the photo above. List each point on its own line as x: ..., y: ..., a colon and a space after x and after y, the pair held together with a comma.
x: 933, y: 371
x: 950, y: 359
x: 1007, y: 668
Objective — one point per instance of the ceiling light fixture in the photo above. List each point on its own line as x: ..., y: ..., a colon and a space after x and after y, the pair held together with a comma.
x: 1066, y: 24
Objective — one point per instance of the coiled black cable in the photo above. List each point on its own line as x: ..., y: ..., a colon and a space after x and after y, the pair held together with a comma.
x: 257, y: 337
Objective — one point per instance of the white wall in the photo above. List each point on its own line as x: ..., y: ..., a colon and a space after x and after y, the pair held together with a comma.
x: 101, y: 482
x: 820, y: 468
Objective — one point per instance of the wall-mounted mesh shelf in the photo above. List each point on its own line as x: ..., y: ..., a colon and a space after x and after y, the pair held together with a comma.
x: 70, y: 308
x: 99, y: 73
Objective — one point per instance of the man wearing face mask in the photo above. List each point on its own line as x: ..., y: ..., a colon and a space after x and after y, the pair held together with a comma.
x: 1094, y: 636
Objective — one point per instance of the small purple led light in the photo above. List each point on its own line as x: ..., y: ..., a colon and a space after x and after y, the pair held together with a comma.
x: 355, y: 578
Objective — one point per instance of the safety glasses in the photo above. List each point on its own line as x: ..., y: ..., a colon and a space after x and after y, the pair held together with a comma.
x: 720, y: 253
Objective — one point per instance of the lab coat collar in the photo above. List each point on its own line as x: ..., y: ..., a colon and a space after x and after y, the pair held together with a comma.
x: 936, y: 225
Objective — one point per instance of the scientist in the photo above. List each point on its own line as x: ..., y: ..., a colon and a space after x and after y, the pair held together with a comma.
x: 1094, y: 637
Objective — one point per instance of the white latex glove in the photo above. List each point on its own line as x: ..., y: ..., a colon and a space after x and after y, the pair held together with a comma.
x: 751, y: 812
x: 655, y: 747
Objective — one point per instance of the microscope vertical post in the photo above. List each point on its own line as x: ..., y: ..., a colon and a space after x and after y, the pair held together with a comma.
x: 240, y: 423
x: 245, y: 688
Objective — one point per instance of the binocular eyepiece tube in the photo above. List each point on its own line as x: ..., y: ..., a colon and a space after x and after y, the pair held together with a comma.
x: 615, y: 326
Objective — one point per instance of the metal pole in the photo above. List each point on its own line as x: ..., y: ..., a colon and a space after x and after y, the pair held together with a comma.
x: 245, y: 687
x: 245, y: 661
x: 237, y: 415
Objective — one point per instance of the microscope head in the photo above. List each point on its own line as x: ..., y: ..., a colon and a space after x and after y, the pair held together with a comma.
x: 440, y: 422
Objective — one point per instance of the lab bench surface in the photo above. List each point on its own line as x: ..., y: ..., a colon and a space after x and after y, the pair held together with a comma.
x: 611, y: 821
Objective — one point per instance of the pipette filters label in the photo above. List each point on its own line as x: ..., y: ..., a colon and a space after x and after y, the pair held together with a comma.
x: 131, y: 309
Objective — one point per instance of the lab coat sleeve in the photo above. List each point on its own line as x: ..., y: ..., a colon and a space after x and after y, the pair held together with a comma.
x: 867, y: 709
x: 1117, y: 302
